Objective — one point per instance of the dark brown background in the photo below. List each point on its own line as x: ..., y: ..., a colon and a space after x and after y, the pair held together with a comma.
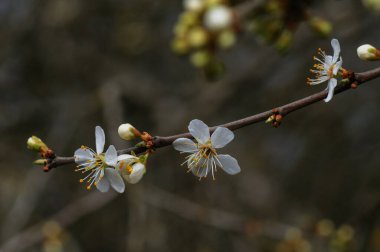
x: 68, y: 65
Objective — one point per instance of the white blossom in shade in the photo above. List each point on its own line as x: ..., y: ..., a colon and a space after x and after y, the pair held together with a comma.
x: 368, y: 52
x: 127, y: 131
x: 218, y: 18
x: 203, y: 157
x: 326, y: 69
x: 132, y: 168
x: 99, y: 166
x: 194, y: 5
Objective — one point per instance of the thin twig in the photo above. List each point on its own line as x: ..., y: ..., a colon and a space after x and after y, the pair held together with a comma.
x: 286, y: 109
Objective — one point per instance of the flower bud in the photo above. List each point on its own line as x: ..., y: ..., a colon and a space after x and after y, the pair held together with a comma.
x: 201, y: 58
x: 321, y: 26
x: 128, y: 132
x: 180, y: 46
x: 197, y: 37
x: 284, y: 41
x: 40, y: 162
x: 218, y: 18
x: 368, y: 52
x: 34, y: 143
x: 226, y: 39
x: 270, y: 119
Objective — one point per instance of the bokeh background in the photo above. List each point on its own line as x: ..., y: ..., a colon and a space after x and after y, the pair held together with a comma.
x: 68, y: 65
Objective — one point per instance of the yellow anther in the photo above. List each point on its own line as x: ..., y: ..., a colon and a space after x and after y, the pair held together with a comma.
x: 81, y: 180
x: 121, y: 164
x: 129, y: 169
x: 88, y: 187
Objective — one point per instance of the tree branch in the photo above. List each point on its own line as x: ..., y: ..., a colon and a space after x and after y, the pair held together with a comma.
x: 159, y: 141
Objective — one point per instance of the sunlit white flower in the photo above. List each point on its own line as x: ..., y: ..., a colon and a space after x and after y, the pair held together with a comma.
x: 327, y: 69
x: 218, y: 18
x: 203, y: 157
x: 132, y: 168
x: 99, y: 166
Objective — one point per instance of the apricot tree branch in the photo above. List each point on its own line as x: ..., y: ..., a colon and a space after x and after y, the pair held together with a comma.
x: 159, y: 141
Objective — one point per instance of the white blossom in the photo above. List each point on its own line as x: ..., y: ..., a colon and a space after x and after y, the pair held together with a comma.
x: 194, y: 5
x: 127, y: 131
x: 368, y: 52
x: 99, y: 166
x: 327, y: 69
x: 218, y: 18
x: 132, y: 168
x: 203, y: 157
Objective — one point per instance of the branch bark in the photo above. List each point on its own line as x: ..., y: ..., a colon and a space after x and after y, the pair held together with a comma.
x: 163, y: 141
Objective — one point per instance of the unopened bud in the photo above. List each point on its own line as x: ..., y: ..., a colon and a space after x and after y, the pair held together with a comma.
x: 36, y: 144
x: 321, y: 26
x: 128, y: 132
x: 368, y: 52
x: 284, y: 41
x: 226, y: 39
x: 180, y: 46
x: 40, y: 162
x: 218, y: 18
x: 201, y: 58
x: 278, y: 118
x: 197, y: 37
x: 270, y: 119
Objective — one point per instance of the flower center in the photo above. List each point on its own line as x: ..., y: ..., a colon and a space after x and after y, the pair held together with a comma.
x: 206, y: 150
x: 330, y: 71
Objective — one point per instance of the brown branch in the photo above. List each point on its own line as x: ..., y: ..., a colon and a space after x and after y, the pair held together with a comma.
x: 159, y: 142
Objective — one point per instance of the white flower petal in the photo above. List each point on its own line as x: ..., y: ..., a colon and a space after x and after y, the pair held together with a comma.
x: 199, y: 130
x: 83, y: 155
x: 184, y: 145
x: 229, y: 164
x: 337, y: 66
x: 328, y: 62
x: 111, y: 156
x: 100, y: 139
x: 137, y: 173
x: 332, y: 84
x: 115, y: 180
x: 125, y: 157
x: 336, y: 46
x: 221, y: 137
x: 103, y: 185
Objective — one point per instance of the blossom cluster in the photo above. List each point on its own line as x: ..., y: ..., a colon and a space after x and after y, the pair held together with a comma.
x: 108, y: 169
x: 114, y: 169
x: 276, y: 21
x: 204, y: 27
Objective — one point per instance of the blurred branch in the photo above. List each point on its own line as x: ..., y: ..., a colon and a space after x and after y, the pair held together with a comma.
x: 159, y: 142
x: 65, y: 217
x: 213, y: 217
x: 158, y: 198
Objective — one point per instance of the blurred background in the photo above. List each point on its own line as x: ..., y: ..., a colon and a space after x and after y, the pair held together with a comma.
x: 69, y: 65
